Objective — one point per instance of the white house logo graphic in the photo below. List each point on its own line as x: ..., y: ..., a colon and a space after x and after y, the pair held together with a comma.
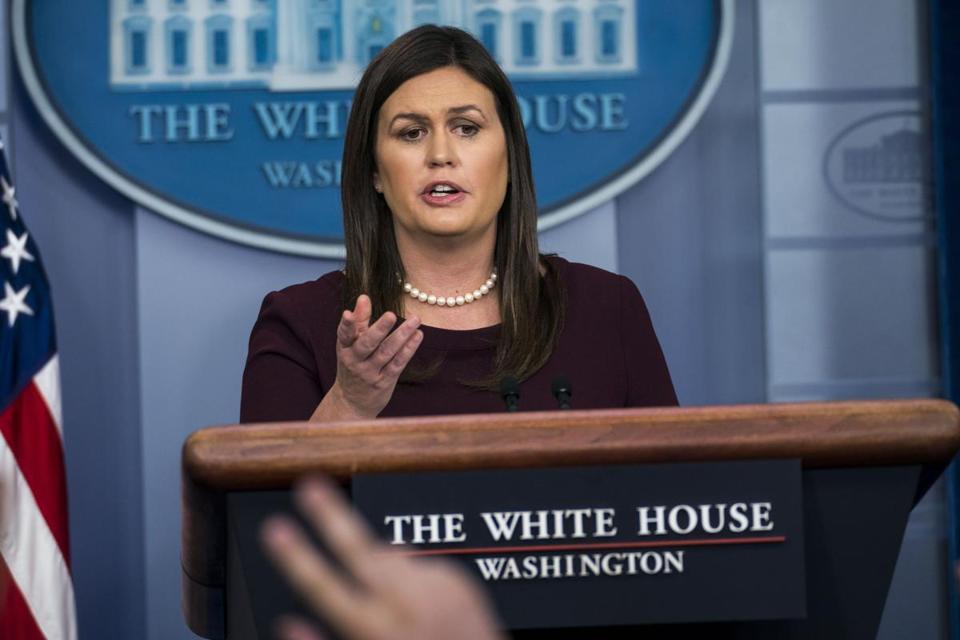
x: 228, y: 116
x: 896, y: 158
x: 293, y: 45
x: 875, y: 167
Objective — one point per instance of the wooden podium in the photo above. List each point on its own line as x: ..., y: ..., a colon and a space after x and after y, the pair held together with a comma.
x: 865, y: 464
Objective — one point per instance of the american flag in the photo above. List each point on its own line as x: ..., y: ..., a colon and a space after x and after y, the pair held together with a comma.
x: 36, y: 590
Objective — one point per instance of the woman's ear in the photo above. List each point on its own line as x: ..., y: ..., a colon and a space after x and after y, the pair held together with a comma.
x: 376, y: 183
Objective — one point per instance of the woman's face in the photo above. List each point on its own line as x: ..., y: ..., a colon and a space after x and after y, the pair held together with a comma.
x: 441, y: 157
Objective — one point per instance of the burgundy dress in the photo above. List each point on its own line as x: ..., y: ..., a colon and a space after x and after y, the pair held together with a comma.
x: 607, y: 351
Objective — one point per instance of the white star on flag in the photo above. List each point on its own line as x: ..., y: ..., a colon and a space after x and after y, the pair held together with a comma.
x: 9, y: 197
x: 13, y: 302
x: 16, y: 250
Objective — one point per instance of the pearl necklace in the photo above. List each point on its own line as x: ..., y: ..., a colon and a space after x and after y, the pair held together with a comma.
x: 451, y: 301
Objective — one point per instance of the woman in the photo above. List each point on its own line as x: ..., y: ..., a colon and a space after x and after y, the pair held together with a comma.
x: 440, y: 226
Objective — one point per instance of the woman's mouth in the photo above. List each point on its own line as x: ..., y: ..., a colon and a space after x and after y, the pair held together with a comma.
x: 441, y: 194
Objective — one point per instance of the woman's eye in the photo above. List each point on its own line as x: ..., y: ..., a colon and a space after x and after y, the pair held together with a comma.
x: 412, y: 134
x: 468, y: 130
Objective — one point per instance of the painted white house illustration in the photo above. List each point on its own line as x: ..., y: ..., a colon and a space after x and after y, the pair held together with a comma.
x: 326, y: 44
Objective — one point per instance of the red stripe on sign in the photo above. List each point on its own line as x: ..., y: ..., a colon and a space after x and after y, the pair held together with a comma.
x: 34, y: 440
x: 588, y: 546
x: 16, y: 620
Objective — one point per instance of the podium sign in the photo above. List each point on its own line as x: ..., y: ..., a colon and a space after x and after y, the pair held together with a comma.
x: 614, y: 545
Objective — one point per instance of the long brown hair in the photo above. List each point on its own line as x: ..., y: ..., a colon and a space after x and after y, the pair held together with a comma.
x: 532, y: 301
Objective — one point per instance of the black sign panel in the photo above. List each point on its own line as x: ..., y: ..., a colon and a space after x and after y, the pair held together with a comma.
x: 613, y: 545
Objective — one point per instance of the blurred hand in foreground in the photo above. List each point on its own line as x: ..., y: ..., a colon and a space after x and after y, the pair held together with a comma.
x: 388, y: 596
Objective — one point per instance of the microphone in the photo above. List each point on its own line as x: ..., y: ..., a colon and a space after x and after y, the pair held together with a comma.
x: 510, y: 392
x: 562, y: 391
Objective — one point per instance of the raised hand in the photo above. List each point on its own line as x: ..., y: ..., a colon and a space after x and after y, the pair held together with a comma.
x: 370, y: 359
x: 388, y: 596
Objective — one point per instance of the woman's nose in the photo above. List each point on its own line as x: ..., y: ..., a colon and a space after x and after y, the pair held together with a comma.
x: 441, y: 151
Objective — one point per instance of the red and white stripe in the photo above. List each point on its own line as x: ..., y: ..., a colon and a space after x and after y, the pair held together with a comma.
x: 34, y: 550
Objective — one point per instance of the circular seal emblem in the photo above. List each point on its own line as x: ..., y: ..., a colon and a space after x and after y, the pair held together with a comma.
x: 876, y: 167
x: 228, y: 115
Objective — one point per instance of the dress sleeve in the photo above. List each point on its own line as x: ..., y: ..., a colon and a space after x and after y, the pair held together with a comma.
x: 280, y: 380
x: 648, y: 379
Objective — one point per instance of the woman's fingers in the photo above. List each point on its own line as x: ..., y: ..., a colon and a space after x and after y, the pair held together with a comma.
x: 370, y: 339
x: 366, y: 341
x: 355, y: 322
x: 371, y: 357
x: 394, y: 342
x: 347, y: 329
x: 395, y: 367
x: 362, y: 311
